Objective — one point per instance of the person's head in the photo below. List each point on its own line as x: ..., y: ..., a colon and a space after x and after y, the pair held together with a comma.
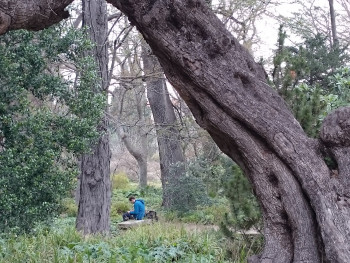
x: 132, y: 199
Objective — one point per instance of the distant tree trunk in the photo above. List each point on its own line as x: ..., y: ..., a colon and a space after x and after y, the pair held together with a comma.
x: 305, y: 209
x: 128, y: 107
x: 333, y: 24
x: 168, y: 135
x: 95, y: 186
x: 139, y: 153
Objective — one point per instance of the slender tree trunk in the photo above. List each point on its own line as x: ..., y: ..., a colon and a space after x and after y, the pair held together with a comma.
x: 305, y: 209
x: 95, y: 186
x: 143, y: 172
x: 333, y: 24
x: 168, y: 135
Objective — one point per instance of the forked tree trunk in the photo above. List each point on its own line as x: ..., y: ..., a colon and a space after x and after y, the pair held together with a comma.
x: 305, y: 209
x: 167, y: 129
x: 140, y: 153
x: 95, y: 186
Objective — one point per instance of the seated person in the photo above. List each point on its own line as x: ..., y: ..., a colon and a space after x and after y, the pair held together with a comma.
x: 139, y: 210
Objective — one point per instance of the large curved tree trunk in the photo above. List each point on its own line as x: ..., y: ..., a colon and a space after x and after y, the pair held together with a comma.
x: 305, y: 209
x: 167, y: 129
x: 95, y: 186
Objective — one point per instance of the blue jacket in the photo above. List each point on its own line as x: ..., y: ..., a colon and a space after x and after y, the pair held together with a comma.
x: 139, y: 209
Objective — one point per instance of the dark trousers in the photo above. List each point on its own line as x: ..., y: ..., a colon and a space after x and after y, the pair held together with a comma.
x: 127, y: 216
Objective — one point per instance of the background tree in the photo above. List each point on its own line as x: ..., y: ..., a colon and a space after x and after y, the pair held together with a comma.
x: 333, y: 23
x: 319, y: 17
x: 241, y: 18
x: 129, y: 106
x: 94, y: 187
x: 302, y: 76
x: 172, y: 162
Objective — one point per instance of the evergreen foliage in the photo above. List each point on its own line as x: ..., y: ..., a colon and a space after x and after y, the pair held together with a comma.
x: 190, y: 192
x: 244, y: 207
x: 303, y: 76
x: 44, y: 121
x: 340, y: 87
x: 210, y: 172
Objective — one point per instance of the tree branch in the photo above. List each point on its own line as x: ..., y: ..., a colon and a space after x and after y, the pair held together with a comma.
x: 31, y: 14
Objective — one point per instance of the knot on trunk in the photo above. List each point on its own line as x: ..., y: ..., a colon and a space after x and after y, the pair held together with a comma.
x: 335, y: 130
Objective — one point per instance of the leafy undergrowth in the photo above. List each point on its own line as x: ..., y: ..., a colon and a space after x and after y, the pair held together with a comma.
x: 191, y: 236
x: 177, y: 237
x: 212, y: 214
x: 159, y: 242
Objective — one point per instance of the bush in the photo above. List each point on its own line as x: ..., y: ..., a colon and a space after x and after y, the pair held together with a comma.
x: 244, y: 206
x: 69, y: 207
x: 152, y: 196
x: 208, y: 215
x: 39, y: 145
x: 120, y: 207
x: 189, y: 192
x: 120, y: 181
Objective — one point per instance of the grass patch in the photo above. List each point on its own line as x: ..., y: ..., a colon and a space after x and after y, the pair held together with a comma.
x: 160, y: 242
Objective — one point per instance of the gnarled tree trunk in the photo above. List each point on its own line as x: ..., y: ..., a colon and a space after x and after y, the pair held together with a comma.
x: 167, y: 129
x: 304, y: 208
x: 95, y: 186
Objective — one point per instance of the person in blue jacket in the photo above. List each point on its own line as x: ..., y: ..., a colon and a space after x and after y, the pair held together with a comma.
x: 139, y: 210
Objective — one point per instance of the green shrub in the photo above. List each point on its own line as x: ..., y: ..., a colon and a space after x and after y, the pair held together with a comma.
x: 120, y: 181
x: 207, y: 215
x: 245, y: 211
x: 39, y: 145
x: 119, y: 207
x: 69, y: 207
x: 189, y: 192
x: 152, y: 196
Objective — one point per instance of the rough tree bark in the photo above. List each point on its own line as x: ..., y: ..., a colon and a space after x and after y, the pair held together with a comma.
x: 31, y: 14
x: 95, y: 186
x: 168, y: 135
x: 305, y: 206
